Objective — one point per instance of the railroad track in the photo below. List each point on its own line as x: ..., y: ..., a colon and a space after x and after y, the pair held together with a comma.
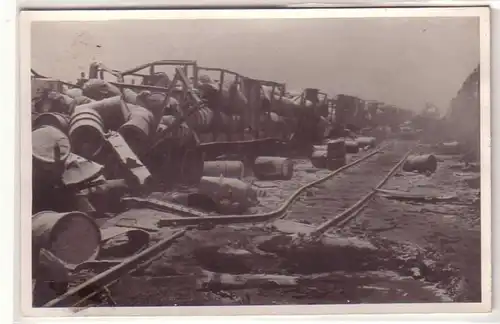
x: 347, y: 193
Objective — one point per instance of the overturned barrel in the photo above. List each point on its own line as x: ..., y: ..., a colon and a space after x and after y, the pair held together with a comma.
x: 113, y: 111
x: 138, y: 130
x: 57, y: 120
x: 365, y: 141
x: 420, y: 163
x: 72, y: 237
x: 228, y: 169
x: 273, y: 168
x: 229, y: 195
x: 86, y: 132
x: 50, y: 150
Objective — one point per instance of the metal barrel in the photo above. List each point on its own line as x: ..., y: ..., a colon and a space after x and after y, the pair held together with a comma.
x: 273, y: 168
x: 364, y: 141
x: 182, y: 133
x: 138, y: 130
x: 420, y: 163
x: 86, y: 132
x: 351, y: 146
x: 129, y: 96
x: 230, y: 195
x: 57, y: 120
x: 228, y: 169
x: 50, y: 150
x: 74, y: 92
x: 72, y: 237
x: 335, y: 148
x: 320, y: 160
x: 113, y: 111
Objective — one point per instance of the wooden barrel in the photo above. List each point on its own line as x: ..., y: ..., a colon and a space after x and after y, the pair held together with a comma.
x: 138, y: 130
x: 420, y: 163
x: 47, y: 142
x: 228, y: 169
x: 86, y: 132
x: 273, y: 168
x: 72, y: 237
x: 230, y: 195
x: 56, y: 120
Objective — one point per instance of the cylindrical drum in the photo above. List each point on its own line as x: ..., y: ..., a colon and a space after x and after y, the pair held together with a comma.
x: 86, y: 132
x: 336, y: 148
x: 366, y: 141
x: 333, y: 164
x: 228, y: 169
x: 51, y: 149
x: 113, y: 111
x: 72, y: 237
x: 273, y: 168
x: 82, y: 100
x: 232, y: 195
x: 74, y: 93
x: 420, y: 163
x: 56, y: 120
x: 98, y: 89
x: 138, y: 129
x: 351, y: 146
x: 318, y: 159
x: 129, y: 96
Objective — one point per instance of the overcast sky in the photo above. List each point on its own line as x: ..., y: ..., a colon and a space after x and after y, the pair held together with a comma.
x: 401, y: 61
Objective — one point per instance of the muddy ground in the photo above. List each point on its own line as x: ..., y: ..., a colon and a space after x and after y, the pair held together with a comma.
x: 392, y: 252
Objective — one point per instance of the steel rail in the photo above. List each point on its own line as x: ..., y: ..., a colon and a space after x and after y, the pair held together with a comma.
x: 261, y: 217
x: 105, y: 278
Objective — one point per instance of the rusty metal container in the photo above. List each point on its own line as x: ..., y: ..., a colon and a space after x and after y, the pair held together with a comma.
x: 420, y: 163
x: 364, y: 141
x: 113, y: 111
x: 129, y: 96
x: 98, y: 89
x: 273, y: 168
x: 230, y: 195
x: 86, y: 132
x: 228, y: 169
x: 82, y: 100
x: 57, y: 120
x: 74, y: 93
x: 335, y: 148
x: 320, y: 160
x: 47, y: 142
x: 138, y: 130
x: 351, y: 146
x: 72, y: 237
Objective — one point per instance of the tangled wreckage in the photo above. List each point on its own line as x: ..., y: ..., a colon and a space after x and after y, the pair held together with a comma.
x: 101, y: 147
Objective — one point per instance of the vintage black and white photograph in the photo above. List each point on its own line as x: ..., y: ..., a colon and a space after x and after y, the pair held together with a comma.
x: 321, y: 157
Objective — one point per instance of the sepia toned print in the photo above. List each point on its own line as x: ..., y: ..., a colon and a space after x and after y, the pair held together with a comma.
x: 257, y: 162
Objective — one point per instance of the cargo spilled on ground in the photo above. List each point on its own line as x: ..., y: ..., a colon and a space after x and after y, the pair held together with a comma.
x: 194, y: 191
